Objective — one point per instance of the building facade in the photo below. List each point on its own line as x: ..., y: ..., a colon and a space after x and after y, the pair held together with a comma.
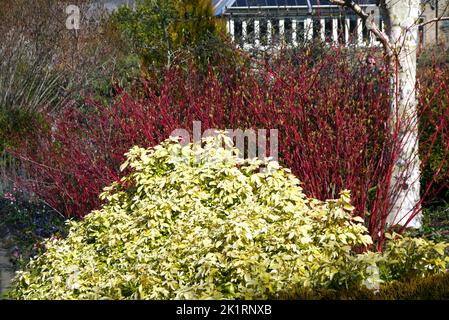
x: 262, y: 23
x: 437, y: 32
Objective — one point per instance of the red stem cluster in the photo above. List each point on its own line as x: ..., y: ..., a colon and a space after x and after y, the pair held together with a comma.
x: 331, y: 110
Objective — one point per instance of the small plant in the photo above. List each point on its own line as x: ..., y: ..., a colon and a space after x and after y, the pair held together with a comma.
x: 435, y: 224
x: 24, y: 223
x: 407, y: 257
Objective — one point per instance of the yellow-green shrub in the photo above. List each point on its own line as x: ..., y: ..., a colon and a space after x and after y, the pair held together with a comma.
x: 198, y: 222
x: 406, y: 257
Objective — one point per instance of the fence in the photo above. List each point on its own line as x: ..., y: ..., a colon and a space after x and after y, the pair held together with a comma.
x: 260, y: 33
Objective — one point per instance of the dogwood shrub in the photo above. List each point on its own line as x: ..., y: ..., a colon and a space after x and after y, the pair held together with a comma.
x: 195, y: 221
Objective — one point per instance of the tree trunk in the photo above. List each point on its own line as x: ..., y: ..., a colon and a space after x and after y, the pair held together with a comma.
x: 401, y: 27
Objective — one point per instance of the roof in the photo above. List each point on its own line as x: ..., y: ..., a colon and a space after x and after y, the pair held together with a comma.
x: 220, y: 6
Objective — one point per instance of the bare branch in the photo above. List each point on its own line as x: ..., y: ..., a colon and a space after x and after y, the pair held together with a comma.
x: 368, y: 19
x: 433, y: 20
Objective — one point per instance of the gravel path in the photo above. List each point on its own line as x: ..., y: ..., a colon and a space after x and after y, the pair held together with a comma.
x: 6, y: 271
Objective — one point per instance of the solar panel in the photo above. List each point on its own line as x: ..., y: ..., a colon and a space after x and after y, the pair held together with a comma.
x: 275, y: 3
x: 221, y: 5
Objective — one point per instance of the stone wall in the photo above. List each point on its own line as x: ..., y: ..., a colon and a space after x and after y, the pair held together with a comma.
x: 429, y: 13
